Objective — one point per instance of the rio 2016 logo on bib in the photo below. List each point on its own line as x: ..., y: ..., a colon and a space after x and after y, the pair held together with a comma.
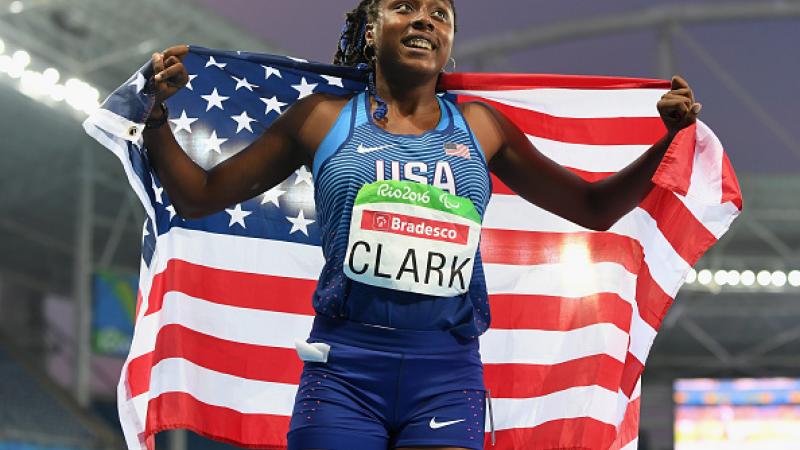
x: 412, y: 237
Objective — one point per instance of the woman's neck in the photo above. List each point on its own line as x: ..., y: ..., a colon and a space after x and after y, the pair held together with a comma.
x: 405, y: 96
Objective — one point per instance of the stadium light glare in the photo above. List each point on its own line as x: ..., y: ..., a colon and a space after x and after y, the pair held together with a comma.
x: 576, y: 258
x: 32, y: 84
x: 748, y: 278
x: 51, y: 75
x: 794, y: 278
x: 734, y: 278
x: 21, y: 58
x: 15, y: 71
x: 45, y: 85
x: 58, y: 93
x: 73, y: 93
x: 778, y: 278
x: 764, y: 278
x: 16, y: 7
x: 691, y: 277
x: 19, y: 61
x: 81, y: 95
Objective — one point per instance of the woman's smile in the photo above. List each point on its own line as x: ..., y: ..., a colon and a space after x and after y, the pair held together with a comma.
x: 419, y: 42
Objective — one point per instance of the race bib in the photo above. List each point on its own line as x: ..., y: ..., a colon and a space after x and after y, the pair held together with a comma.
x: 412, y: 237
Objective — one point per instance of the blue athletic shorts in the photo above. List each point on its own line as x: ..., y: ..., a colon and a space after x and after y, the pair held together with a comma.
x: 384, y: 388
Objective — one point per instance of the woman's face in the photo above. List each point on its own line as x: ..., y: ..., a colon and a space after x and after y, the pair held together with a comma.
x: 413, y: 35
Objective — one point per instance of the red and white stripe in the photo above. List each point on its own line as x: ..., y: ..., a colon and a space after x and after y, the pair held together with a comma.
x: 574, y: 312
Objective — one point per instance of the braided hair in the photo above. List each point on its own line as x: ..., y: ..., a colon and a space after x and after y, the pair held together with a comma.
x: 352, y: 49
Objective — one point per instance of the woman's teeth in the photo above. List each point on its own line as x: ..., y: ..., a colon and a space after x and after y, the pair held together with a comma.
x: 420, y: 43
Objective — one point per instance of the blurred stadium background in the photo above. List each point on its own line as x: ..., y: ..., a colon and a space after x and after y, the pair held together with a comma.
x: 70, y: 227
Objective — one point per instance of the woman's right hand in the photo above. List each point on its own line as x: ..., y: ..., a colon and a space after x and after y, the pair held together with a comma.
x: 169, y: 73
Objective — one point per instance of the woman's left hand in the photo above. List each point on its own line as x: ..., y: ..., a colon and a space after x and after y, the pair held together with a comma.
x: 677, y: 107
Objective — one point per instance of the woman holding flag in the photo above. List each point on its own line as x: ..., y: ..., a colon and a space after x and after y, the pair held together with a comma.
x: 402, y: 180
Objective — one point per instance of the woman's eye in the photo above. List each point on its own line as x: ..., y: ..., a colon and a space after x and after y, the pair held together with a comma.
x: 441, y: 15
x: 403, y: 7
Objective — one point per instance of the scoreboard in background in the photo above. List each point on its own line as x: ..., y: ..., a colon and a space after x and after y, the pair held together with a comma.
x: 738, y: 414
x: 113, y: 312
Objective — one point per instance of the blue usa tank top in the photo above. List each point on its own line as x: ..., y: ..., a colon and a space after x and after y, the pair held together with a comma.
x: 449, y: 161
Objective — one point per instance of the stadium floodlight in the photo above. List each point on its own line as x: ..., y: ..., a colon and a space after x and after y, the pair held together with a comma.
x: 51, y: 75
x: 21, y: 58
x: 705, y: 277
x: 734, y: 278
x: 16, y: 7
x: 19, y: 61
x: 721, y: 277
x: 92, y: 100
x: 45, y: 85
x: 748, y: 278
x: 31, y: 83
x: 691, y: 277
x: 794, y: 278
x: 764, y: 278
x: 81, y: 95
x: 59, y: 92
x: 74, y: 92
x: 778, y: 278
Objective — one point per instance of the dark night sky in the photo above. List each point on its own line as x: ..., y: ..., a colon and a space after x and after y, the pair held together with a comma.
x: 762, y: 57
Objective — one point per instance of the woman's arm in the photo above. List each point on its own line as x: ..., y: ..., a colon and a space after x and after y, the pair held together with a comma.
x: 286, y: 145
x: 547, y: 184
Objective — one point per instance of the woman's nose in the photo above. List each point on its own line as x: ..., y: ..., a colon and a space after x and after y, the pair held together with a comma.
x: 423, y: 22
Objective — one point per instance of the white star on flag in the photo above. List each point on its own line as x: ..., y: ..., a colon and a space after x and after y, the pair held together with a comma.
x: 300, y: 223
x: 243, y: 83
x: 303, y: 176
x: 214, y: 99
x: 238, y: 215
x: 214, y: 143
x: 273, y: 104
x: 270, y: 71
x: 243, y: 121
x: 158, y: 190
x: 183, y: 122
x: 272, y: 196
x: 333, y: 81
x: 145, y: 233
x: 189, y: 83
x: 213, y: 62
x: 139, y: 82
x: 172, y: 212
x: 304, y: 88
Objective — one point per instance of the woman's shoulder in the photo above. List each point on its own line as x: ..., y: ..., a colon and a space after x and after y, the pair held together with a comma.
x: 479, y: 115
x: 320, y: 103
x: 310, y: 118
x: 483, y: 119
x: 476, y: 110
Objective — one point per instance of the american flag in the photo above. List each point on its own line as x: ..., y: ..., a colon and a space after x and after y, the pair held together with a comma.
x: 222, y: 299
x: 453, y: 149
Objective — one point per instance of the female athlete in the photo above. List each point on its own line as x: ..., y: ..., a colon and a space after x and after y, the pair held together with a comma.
x: 401, y: 185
